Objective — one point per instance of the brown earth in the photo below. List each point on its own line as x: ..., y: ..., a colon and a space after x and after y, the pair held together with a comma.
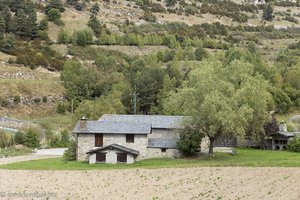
x: 189, y: 183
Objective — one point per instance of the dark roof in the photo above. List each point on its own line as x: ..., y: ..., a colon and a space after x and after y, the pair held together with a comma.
x: 114, y: 146
x: 157, y: 121
x: 163, y: 143
x: 114, y: 127
x: 285, y: 134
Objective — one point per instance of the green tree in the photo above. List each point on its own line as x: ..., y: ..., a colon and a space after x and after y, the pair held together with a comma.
x: 32, y: 139
x: 190, y: 140
x: 53, y: 14
x: 223, y: 99
x: 2, y: 27
x: 6, y: 13
x: 95, y: 9
x: 268, y: 12
x: 56, y: 4
x: 95, y: 25
x: 20, y: 137
x: 200, y: 53
x: 70, y: 153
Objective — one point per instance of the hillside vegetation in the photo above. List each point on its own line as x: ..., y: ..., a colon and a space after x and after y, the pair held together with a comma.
x: 91, y: 57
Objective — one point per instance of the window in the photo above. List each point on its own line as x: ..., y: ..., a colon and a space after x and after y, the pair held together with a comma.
x: 101, y: 157
x: 98, y: 140
x: 130, y: 138
x: 122, y: 157
x: 163, y: 150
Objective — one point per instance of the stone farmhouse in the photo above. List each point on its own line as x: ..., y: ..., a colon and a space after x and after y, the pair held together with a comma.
x: 126, y: 138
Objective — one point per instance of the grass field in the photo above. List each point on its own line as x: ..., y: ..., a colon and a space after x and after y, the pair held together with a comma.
x: 245, y: 157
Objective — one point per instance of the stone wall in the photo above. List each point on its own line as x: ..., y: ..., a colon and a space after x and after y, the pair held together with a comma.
x: 111, y: 157
x: 157, y: 153
x: 140, y: 142
x: 85, y: 142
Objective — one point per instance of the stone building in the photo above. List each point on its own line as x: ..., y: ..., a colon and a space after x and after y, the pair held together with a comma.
x: 280, y: 139
x: 126, y: 138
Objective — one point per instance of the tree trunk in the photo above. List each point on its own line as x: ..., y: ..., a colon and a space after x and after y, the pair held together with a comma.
x: 211, y: 146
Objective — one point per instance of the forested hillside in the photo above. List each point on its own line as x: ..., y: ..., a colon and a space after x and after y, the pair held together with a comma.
x: 116, y: 56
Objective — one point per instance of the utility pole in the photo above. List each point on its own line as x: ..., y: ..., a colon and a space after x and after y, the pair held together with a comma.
x: 134, y: 100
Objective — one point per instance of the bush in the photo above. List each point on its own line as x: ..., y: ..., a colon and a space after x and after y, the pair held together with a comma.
x: 45, y: 99
x: 20, y: 138
x: 32, y: 139
x: 294, y: 145
x: 190, y: 140
x: 61, y: 108
x: 36, y: 100
x: 17, y: 100
x: 53, y: 15
x: 5, y: 140
x: 70, y: 153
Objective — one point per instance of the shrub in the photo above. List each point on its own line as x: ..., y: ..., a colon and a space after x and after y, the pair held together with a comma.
x: 5, y: 139
x: 190, y: 140
x: 17, y: 100
x: 20, y: 137
x: 32, y: 139
x: 45, y: 99
x: 294, y: 145
x: 61, y: 108
x: 70, y: 153
x: 36, y: 100
x: 53, y: 15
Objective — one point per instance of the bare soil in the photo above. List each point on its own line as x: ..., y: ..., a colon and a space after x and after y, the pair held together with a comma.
x: 190, y: 183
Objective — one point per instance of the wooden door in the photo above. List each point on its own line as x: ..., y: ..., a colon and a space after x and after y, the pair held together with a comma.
x: 98, y: 140
x: 101, y: 157
x: 122, y: 157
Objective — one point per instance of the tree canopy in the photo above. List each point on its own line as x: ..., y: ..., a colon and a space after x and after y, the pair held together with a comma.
x: 223, y: 99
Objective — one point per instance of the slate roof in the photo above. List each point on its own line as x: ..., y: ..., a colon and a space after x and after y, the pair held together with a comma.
x: 114, y: 146
x: 157, y: 121
x: 285, y: 134
x: 163, y: 143
x: 114, y: 127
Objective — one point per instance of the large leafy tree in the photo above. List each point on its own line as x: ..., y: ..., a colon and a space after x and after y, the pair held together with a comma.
x: 223, y: 99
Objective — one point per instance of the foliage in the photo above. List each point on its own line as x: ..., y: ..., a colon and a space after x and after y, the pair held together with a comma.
x: 53, y: 15
x: 190, y: 140
x: 61, y: 108
x: 294, y: 145
x: 20, y: 138
x: 70, y: 153
x: 268, y: 12
x: 54, y: 4
x: 32, y: 139
x: 220, y: 99
x: 14, y: 151
x: 5, y: 139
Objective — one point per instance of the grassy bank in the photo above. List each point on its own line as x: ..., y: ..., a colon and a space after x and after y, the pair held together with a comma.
x: 245, y: 157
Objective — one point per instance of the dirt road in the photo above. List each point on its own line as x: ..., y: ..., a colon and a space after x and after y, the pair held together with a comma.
x: 153, y: 184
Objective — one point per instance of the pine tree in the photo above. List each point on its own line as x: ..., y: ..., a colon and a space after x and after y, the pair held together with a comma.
x: 95, y: 9
x: 268, y: 12
x: 95, y: 25
x: 2, y: 26
x: 6, y: 13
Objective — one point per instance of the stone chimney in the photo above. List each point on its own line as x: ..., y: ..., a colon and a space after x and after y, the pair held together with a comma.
x: 83, y: 124
x: 282, y: 127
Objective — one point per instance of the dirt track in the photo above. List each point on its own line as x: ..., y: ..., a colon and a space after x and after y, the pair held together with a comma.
x: 191, y: 183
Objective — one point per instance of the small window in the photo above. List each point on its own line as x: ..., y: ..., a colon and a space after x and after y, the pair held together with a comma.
x: 122, y: 157
x: 130, y: 138
x: 100, y: 157
x: 98, y: 140
x: 163, y: 150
